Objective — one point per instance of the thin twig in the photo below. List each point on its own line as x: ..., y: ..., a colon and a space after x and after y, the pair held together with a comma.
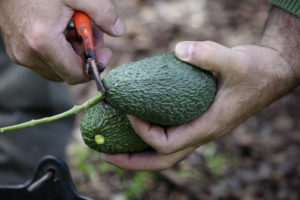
x: 75, y: 109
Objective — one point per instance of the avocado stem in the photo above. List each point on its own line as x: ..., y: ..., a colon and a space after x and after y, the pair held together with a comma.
x: 75, y: 109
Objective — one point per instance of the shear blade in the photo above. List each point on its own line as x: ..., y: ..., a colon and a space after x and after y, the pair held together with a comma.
x: 99, y: 84
x: 95, y: 76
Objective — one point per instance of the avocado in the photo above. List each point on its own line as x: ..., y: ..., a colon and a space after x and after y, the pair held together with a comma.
x: 160, y: 89
x: 109, y: 131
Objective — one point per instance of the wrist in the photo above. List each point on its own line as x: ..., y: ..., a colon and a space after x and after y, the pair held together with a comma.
x: 282, y: 35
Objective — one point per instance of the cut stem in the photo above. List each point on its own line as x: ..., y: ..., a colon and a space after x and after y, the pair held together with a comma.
x: 75, y: 109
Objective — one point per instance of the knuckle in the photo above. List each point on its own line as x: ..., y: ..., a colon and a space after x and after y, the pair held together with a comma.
x: 37, y: 38
x: 109, y: 8
x: 10, y: 55
x: 17, y: 56
x: 77, y: 80
x: 72, y: 3
x: 242, y: 71
x: 208, y: 48
x: 74, y: 81
x: 209, y: 44
x: 165, y: 150
x: 240, y: 64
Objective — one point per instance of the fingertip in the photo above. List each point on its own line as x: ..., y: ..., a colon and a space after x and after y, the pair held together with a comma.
x: 207, y: 55
x: 139, y: 125
x: 104, y: 55
x: 184, y: 50
x: 118, y: 29
x: 135, y: 120
x: 131, y: 118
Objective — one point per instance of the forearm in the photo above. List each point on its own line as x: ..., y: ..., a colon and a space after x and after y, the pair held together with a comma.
x: 282, y: 33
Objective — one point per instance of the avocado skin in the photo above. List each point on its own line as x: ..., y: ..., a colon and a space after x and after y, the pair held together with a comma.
x: 114, y: 126
x: 160, y: 89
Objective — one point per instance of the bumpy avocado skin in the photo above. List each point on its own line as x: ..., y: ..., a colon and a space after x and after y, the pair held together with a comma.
x: 160, y: 89
x: 114, y: 126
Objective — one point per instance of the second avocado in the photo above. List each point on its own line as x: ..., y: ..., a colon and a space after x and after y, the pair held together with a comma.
x: 160, y: 89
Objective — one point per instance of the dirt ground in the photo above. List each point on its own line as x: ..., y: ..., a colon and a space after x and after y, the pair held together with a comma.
x: 257, y: 160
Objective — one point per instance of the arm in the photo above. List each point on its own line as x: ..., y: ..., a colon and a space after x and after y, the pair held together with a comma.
x: 282, y: 34
x: 251, y: 77
x: 33, y: 34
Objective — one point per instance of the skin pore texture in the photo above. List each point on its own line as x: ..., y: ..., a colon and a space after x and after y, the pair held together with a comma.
x: 250, y: 78
x: 33, y: 34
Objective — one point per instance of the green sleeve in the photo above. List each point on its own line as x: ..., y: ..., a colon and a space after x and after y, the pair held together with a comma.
x: 292, y: 6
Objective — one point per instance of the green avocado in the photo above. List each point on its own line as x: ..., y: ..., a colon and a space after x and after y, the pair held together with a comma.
x: 109, y: 131
x: 159, y: 89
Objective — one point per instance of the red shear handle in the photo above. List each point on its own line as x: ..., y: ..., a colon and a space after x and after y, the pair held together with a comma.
x: 84, y: 28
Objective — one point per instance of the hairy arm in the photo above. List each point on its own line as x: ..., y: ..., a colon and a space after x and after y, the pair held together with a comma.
x: 282, y: 33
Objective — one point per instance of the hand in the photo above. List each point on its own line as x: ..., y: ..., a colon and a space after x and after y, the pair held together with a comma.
x: 249, y: 79
x: 33, y: 34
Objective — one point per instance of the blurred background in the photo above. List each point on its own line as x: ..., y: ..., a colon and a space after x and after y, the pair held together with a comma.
x: 257, y: 160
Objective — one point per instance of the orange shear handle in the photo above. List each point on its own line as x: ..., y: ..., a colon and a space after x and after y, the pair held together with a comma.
x: 84, y: 28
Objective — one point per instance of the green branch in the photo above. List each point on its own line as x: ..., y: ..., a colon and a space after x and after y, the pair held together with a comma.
x: 76, y: 109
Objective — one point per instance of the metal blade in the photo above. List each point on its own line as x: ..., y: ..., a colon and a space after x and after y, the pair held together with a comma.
x: 95, y: 76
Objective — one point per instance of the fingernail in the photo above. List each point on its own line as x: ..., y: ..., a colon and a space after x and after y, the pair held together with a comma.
x: 118, y: 28
x: 130, y: 117
x: 184, y: 50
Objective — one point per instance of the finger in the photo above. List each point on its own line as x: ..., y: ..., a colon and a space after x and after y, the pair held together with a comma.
x: 103, y: 54
x: 147, y: 160
x: 153, y: 135
x: 207, y: 55
x: 46, y: 72
x: 68, y: 65
x: 173, y: 139
x: 102, y: 12
x: 98, y: 37
x: 27, y: 58
x: 220, y: 118
x: 71, y: 69
x: 61, y: 58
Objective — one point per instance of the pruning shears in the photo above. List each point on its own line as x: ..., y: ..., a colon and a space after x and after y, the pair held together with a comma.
x: 83, y: 40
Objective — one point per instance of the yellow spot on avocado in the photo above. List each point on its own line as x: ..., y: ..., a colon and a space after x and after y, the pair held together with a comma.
x: 99, y: 139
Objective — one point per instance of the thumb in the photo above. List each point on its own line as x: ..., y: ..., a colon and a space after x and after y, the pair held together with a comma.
x: 208, y: 55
